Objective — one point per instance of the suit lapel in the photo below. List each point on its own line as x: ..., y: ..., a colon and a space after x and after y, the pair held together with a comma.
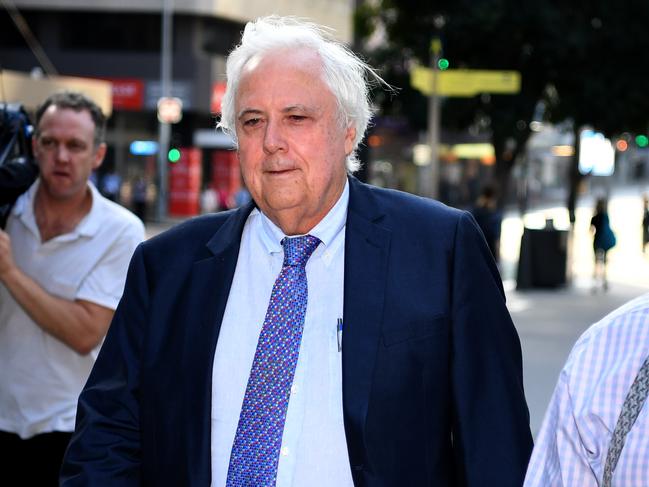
x: 208, y: 294
x: 367, y: 246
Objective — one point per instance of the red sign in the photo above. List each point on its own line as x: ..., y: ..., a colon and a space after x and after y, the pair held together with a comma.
x: 185, y: 183
x: 226, y: 178
x: 218, y: 90
x: 128, y: 93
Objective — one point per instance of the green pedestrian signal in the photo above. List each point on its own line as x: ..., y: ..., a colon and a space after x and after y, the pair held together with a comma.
x: 443, y: 64
x: 173, y: 155
x: 642, y: 141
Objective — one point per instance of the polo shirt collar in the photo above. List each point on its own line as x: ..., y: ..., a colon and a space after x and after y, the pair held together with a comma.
x: 91, y: 223
x: 87, y: 227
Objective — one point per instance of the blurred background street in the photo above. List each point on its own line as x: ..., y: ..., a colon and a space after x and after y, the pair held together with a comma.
x: 549, y: 321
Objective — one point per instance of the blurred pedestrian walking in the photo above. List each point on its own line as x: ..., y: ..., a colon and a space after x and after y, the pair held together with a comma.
x: 140, y: 192
x: 209, y: 200
x: 596, y: 429
x: 63, y: 262
x: 111, y: 185
x: 603, y: 241
x: 489, y: 217
x: 241, y: 197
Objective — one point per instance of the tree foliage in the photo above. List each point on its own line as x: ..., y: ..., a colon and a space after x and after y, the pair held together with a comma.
x: 599, y: 65
x: 587, y: 59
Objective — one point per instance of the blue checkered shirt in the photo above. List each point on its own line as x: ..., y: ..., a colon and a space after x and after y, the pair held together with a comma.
x: 574, y: 439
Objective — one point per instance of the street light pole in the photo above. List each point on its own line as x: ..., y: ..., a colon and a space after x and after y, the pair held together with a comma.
x: 164, y: 129
x: 434, y: 122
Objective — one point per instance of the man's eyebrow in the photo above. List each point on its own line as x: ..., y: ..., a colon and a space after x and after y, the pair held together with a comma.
x: 300, y: 108
x: 249, y: 111
x: 289, y: 109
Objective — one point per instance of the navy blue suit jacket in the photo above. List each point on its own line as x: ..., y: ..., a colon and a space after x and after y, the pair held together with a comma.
x: 432, y: 380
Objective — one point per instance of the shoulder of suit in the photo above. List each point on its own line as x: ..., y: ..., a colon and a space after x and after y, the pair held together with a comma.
x: 407, y: 205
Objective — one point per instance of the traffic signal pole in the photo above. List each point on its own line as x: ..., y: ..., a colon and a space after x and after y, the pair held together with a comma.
x: 430, y: 175
x: 164, y: 129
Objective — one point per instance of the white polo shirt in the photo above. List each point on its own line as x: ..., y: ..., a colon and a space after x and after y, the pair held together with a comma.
x: 40, y: 376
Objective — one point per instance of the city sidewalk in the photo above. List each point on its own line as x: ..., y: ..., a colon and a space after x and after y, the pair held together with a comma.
x: 550, y: 321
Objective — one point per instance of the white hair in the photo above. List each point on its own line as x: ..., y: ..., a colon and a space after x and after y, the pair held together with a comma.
x: 344, y: 73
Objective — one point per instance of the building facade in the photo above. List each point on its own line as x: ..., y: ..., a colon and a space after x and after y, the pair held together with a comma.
x: 120, y: 41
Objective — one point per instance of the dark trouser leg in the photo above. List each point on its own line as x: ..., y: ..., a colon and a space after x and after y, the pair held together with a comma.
x: 35, y: 461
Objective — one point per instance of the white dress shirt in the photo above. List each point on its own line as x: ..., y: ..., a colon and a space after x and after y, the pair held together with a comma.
x: 314, y: 449
x: 572, y: 445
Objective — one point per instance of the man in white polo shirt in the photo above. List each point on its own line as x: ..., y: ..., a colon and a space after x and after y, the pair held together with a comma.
x: 63, y: 261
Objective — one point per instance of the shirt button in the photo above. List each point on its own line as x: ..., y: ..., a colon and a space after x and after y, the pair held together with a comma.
x: 285, y: 451
x: 293, y: 389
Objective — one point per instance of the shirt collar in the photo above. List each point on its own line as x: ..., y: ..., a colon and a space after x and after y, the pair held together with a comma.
x: 91, y: 223
x: 326, y: 230
x: 87, y: 227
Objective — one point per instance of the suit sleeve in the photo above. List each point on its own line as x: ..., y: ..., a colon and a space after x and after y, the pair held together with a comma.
x: 491, y: 433
x: 105, y: 448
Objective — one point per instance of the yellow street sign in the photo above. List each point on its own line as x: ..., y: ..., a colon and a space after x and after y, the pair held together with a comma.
x: 465, y: 82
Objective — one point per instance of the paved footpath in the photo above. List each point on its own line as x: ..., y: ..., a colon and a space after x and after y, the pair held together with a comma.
x: 550, y: 321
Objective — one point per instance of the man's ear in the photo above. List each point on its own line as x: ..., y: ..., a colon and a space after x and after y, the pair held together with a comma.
x: 100, y: 153
x: 350, y: 137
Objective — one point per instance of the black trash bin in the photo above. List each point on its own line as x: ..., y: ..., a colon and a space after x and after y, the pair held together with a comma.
x: 542, y: 260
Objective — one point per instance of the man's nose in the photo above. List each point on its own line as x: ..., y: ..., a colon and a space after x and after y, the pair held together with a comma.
x: 274, y: 139
x: 62, y: 153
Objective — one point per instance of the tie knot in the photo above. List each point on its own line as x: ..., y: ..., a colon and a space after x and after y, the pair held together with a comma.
x: 297, y: 250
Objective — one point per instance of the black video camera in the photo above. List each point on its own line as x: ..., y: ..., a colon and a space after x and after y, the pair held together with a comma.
x: 18, y: 170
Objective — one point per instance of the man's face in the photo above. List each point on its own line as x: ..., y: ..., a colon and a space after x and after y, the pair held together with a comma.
x: 292, y: 146
x: 65, y: 150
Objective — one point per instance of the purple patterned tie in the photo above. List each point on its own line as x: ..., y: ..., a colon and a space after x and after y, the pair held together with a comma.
x: 255, y: 452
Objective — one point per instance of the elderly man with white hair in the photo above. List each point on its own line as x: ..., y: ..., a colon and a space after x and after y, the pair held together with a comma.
x: 327, y: 333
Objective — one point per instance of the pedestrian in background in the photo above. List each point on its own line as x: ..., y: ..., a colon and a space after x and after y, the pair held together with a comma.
x: 140, y: 194
x: 63, y: 262
x: 111, y: 185
x: 209, y: 200
x: 241, y: 196
x: 645, y: 222
x: 489, y: 217
x: 603, y: 241
x: 327, y: 333
x: 596, y: 430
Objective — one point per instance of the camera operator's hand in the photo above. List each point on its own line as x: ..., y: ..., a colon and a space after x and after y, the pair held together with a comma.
x: 7, y: 263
